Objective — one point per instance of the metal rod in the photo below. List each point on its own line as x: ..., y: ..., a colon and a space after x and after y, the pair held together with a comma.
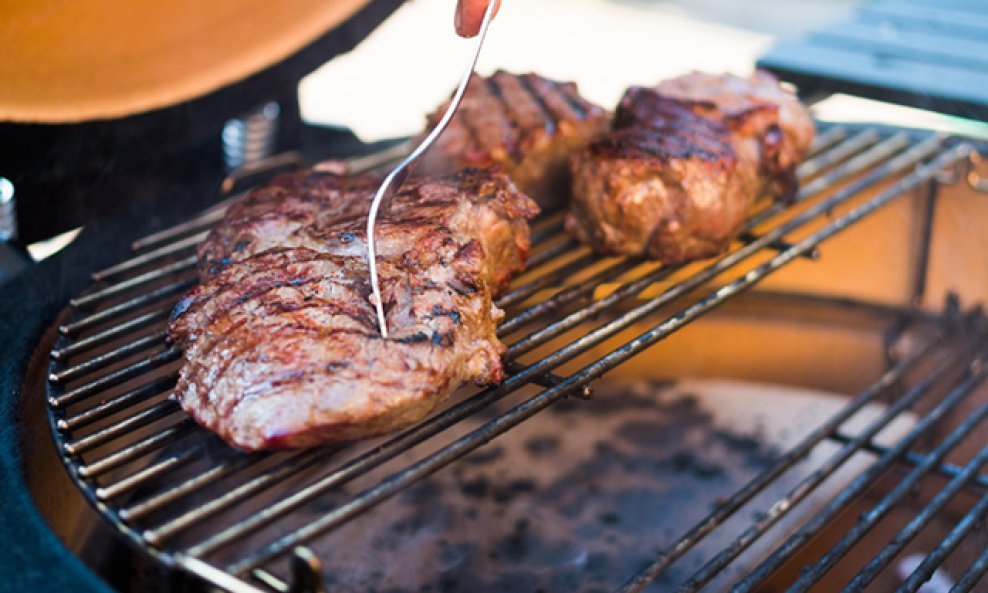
x: 552, y: 278
x: 859, y: 484
x: 214, y: 576
x: 569, y: 295
x: 157, y: 469
x: 105, y: 408
x: 150, y: 256
x: 464, y: 445
x: 107, y: 358
x: 748, y: 237
x: 838, y: 154
x: 98, y: 339
x: 553, y: 226
x: 936, y: 558
x: 270, y: 580
x: 727, y: 508
x: 874, y: 155
x: 868, y: 520
x: 550, y: 253
x: 202, y: 480
x: 201, y: 221
x: 75, y: 327
x: 926, y: 240
x: 631, y: 289
x: 973, y: 575
x: 947, y: 470
x: 274, y: 476
x: 122, y: 427
x: 827, y: 139
x: 142, y: 447
x: 116, y: 377
x: 110, y: 291
x: 808, y: 485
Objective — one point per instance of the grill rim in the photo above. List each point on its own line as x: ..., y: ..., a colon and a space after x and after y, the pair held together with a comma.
x: 171, y: 559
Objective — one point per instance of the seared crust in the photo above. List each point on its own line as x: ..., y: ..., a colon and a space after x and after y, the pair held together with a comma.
x: 651, y: 190
x: 527, y: 124
x: 280, y: 339
x: 684, y: 164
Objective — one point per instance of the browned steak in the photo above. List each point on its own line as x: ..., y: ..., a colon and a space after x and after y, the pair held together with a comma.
x: 281, y: 343
x: 677, y: 176
x: 769, y: 123
x: 527, y: 124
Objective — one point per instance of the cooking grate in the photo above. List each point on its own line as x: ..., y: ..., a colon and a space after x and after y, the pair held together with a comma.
x: 152, y: 472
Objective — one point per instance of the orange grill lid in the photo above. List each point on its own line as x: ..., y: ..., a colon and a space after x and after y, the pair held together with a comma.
x: 69, y: 61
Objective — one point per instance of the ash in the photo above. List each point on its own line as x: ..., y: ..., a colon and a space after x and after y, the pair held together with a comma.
x: 579, y: 497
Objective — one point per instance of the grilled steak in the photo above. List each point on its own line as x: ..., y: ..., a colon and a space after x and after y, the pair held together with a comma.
x: 770, y: 125
x: 526, y: 123
x: 679, y: 173
x: 281, y: 343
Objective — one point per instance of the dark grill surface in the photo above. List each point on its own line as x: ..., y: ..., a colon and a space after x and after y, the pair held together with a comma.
x: 233, y: 519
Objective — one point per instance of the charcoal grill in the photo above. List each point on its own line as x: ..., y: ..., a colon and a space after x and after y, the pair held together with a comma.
x: 171, y: 489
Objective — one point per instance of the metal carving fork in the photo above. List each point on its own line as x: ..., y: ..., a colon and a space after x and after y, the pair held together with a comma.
x: 400, y: 174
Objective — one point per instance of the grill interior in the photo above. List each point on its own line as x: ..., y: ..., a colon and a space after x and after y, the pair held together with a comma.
x: 235, y: 521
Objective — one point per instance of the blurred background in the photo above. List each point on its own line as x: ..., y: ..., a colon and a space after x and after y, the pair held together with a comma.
x: 411, y: 63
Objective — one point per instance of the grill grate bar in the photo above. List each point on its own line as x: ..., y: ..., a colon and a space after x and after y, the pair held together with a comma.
x: 974, y: 574
x: 116, y: 377
x: 868, y: 520
x: 284, y: 469
x: 398, y: 481
x: 93, y: 298
x: 103, y: 360
x: 131, y: 452
x: 109, y: 334
x: 730, y: 506
x: 202, y: 480
x: 151, y: 256
x: 551, y: 228
x: 831, y: 136
x: 546, y: 280
x: 565, y: 297
x: 155, y: 470
x: 860, y: 483
x: 861, y: 162
x: 871, y: 157
x: 912, y: 458
x: 809, y: 484
x: 929, y: 565
x: 551, y: 253
x: 117, y: 429
x: 71, y: 329
x: 838, y: 153
x: 105, y: 408
x: 204, y: 220
x: 925, y: 516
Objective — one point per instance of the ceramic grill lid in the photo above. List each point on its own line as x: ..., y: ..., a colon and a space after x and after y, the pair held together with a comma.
x: 76, y: 61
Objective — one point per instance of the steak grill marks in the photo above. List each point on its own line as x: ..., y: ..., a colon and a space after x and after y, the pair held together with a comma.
x: 526, y: 123
x: 280, y: 345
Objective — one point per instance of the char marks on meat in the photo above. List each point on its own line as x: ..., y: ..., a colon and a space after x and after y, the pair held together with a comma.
x: 685, y: 162
x: 527, y: 124
x: 280, y: 339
